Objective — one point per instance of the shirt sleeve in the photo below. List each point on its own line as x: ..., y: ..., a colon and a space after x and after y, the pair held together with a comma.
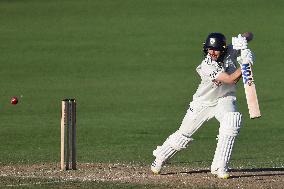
x: 211, y: 69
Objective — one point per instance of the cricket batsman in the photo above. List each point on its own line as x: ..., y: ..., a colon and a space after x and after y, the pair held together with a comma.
x: 215, y: 97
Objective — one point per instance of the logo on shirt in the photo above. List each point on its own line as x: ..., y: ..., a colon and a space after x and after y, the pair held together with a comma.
x: 217, y: 83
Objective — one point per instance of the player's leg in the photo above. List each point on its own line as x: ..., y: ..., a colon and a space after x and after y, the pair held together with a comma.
x: 193, y: 119
x: 230, y: 124
x: 174, y: 143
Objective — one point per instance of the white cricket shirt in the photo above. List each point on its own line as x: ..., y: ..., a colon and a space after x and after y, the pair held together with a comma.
x: 209, y: 92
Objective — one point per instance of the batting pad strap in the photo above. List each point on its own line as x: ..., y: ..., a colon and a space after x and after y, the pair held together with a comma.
x: 231, y: 124
x: 164, y: 152
x: 174, y: 143
x: 179, y: 141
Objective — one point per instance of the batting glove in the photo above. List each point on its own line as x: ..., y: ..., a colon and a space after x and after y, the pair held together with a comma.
x: 239, y: 42
x: 246, y: 57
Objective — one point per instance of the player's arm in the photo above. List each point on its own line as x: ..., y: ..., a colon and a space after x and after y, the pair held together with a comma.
x: 239, y: 43
x: 229, y: 78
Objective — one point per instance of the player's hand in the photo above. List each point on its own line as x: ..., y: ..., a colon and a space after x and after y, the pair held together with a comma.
x: 246, y: 57
x: 239, y: 43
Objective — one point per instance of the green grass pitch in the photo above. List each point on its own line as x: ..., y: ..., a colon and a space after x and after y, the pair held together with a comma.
x: 131, y: 66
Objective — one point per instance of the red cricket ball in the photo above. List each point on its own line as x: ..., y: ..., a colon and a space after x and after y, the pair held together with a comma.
x: 14, y: 100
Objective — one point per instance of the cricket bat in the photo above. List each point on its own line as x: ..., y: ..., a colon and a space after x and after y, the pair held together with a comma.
x: 250, y: 91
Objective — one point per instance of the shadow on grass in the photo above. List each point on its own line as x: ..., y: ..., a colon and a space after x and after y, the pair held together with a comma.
x: 246, y: 172
x: 188, y: 172
x: 260, y: 172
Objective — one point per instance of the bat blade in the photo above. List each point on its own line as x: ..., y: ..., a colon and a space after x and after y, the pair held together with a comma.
x: 252, y: 101
x: 250, y: 91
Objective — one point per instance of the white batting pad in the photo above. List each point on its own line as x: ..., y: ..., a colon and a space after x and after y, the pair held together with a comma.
x: 229, y: 129
x: 223, y: 152
x: 231, y: 124
x: 179, y: 141
x: 174, y: 143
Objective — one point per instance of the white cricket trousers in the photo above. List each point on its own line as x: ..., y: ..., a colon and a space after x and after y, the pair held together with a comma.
x: 197, y: 114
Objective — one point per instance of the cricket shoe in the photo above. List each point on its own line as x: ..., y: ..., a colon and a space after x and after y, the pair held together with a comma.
x: 156, y: 166
x: 220, y: 173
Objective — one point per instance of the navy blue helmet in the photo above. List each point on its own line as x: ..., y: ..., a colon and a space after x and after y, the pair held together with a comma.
x: 215, y: 41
